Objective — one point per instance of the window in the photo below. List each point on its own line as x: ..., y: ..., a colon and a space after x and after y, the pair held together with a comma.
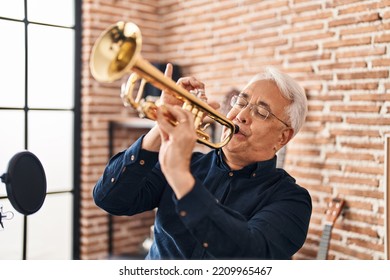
x: 40, y: 112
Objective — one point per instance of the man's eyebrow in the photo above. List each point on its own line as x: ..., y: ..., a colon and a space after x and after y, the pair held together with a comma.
x: 265, y: 105
x: 261, y: 103
x: 243, y: 94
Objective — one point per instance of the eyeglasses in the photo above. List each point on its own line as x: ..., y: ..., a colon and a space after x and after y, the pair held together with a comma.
x: 258, y: 111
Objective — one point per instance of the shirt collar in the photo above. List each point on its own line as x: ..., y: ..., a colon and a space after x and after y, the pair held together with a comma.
x: 254, y: 169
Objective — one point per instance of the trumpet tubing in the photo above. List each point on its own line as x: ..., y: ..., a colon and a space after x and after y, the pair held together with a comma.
x: 117, y: 52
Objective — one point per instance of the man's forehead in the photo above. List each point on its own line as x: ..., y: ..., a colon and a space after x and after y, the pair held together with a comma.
x: 260, y: 101
x: 263, y: 84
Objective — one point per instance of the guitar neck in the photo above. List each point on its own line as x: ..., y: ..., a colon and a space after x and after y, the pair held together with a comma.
x: 324, y: 243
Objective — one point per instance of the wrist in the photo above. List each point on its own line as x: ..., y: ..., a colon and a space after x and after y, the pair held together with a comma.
x: 182, y: 184
x: 152, y: 140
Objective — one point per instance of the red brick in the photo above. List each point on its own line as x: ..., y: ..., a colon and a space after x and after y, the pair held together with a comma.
x: 349, y: 156
x: 365, y: 230
x: 312, y: 17
x: 352, y: 253
x: 364, y: 170
x: 350, y: 180
x: 305, y: 152
x: 312, y: 37
x: 385, y: 38
x: 343, y: 65
x: 306, y: 58
x: 301, y: 9
x: 315, y: 108
x: 348, y: 42
x: 355, y: 108
x: 351, y: 204
x: 360, y: 193
x: 339, y: 3
x: 306, y: 28
x: 373, y: 218
x: 354, y: 86
x: 369, y: 121
x: 369, y: 146
x: 370, y: 97
x: 324, y: 118
x: 364, y: 244
x: 361, y: 52
x: 317, y: 165
x: 372, y: 29
x: 351, y: 132
x: 325, y: 97
x: 381, y: 62
x: 354, y: 20
x: 363, y: 75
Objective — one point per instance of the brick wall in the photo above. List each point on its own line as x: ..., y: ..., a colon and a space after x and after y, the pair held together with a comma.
x: 339, y: 52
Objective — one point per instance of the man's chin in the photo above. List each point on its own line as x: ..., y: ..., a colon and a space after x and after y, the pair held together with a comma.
x: 235, y: 144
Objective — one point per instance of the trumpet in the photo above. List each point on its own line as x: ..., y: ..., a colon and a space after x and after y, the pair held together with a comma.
x: 117, y: 51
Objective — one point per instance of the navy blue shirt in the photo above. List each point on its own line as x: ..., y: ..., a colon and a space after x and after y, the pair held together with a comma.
x: 258, y: 212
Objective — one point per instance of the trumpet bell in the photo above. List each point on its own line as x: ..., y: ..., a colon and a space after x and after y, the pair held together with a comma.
x: 116, y: 52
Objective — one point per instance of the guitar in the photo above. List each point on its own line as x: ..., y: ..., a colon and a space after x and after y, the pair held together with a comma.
x: 333, y: 211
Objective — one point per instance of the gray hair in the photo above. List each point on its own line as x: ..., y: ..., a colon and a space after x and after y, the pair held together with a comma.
x: 292, y: 91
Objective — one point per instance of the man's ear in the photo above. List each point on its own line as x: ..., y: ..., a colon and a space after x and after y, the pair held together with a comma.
x: 286, y: 136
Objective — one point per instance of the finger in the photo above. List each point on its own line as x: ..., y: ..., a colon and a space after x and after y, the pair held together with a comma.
x: 190, y: 83
x: 189, y: 117
x: 164, y: 116
x: 167, y: 95
x: 168, y: 70
x: 163, y: 124
x: 163, y: 135
x: 214, y: 104
x: 170, y: 116
x: 196, y: 84
x: 178, y: 114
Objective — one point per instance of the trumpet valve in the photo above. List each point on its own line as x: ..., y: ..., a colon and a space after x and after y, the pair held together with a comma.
x: 202, y: 135
x: 199, y: 93
x: 198, y: 117
x: 147, y: 109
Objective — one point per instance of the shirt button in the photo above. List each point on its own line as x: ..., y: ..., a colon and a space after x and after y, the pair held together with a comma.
x: 112, y: 180
x: 183, y: 213
x: 254, y: 175
x: 132, y: 157
x: 205, y: 245
x: 231, y: 174
x: 142, y: 162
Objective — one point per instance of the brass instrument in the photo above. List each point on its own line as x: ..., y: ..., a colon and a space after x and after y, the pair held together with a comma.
x: 117, y: 52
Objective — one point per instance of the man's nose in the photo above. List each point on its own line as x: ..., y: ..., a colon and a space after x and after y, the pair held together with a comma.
x: 245, y: 114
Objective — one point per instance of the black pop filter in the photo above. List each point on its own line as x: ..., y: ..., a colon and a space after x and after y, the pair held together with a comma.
x: 25, y: 182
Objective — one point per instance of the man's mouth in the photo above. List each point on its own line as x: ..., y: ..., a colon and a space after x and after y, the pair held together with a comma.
x: 242, y: 131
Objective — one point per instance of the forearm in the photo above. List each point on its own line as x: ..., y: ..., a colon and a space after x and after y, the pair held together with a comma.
x: 130, y: 183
